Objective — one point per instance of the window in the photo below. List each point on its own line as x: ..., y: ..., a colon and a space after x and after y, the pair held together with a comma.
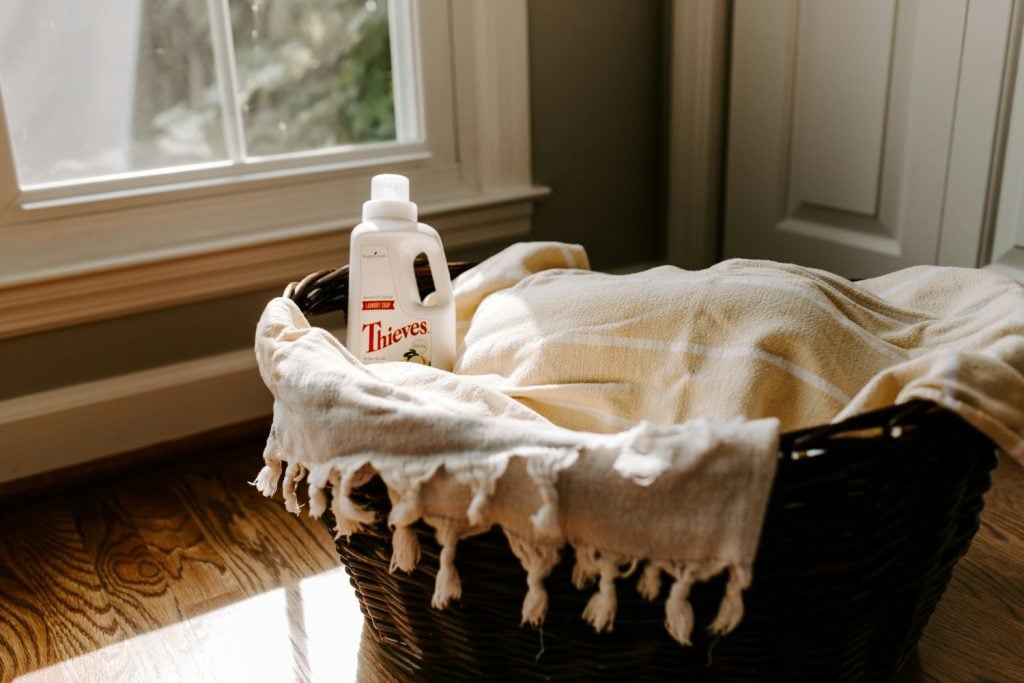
x: 156, y: 86
x: 155, y: 152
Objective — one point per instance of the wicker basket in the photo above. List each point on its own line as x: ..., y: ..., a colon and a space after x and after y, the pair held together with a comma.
x: 858, y: 546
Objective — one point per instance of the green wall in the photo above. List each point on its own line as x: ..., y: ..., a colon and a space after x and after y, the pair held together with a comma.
x: 597, y: 101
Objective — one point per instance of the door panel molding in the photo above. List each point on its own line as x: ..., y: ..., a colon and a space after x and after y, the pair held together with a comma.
x: 842, y: 70
x: 815, y: 177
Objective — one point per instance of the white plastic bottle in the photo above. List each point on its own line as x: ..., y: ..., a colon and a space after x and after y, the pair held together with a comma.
x: 387, y: 320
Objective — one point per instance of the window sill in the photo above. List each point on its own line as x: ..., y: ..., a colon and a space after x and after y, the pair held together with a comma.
x: 90, y: 291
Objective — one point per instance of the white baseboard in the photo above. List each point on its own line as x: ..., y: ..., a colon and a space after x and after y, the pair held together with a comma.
x: 75, y: 424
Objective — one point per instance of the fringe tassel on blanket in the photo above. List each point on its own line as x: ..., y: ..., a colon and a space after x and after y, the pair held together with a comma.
x: 544, y: 471
x: 538, y: 556
x: 586, y: 569
x: 731, y: 611
x: 678, y: 612
x: 317, y: 498
x: 350, y: 517
x: 649, y: 585
x: 482, y: 479
x: 405, y: 482
x: 266, y: 480
x: 600, y: 611
x: 292, y: 476
x: 448, y: 586
x: 538, y: 559
x: 405, y: 548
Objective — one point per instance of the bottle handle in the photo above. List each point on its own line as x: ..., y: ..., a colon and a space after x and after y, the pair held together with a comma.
x: 430, y: 246
x: 439, y: 274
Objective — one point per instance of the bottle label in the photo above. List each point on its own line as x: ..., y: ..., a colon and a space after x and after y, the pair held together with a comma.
x: 386, y: 333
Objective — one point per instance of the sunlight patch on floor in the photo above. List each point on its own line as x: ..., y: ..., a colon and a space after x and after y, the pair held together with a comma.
x: 307, y: 632
x: 334, y: 626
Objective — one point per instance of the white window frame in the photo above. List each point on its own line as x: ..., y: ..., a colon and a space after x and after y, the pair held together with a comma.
x: 87, y: 251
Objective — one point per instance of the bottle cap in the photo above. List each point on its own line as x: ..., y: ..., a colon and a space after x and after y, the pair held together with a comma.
x: 389, y: 198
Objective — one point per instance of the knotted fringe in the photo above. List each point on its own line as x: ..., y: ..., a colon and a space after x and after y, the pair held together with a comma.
x: 405, y: 548
x: 448, y: 586
x: 293, y: 474
x: 586, y: 568
x: 404, y: 483
x: 538, y: 559
x: 538, y: 556
x: 649, y: 585
x: 600, y: 611
x: 678, y: 612
x: 266, y: 480
x: 349, y: 517
x: 731, y: 610
x: 544, y: 472
x: 481, y: 478
x: 317, y: 498
x: 477, y: 507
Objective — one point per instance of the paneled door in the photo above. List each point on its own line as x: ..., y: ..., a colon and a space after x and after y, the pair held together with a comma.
x: 842, y: 129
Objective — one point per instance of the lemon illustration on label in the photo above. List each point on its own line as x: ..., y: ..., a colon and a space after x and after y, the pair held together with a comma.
x: 412, y: 356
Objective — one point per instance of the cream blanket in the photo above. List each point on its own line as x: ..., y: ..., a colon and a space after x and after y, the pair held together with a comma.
x: 742, y: 340
x: 619, y: 414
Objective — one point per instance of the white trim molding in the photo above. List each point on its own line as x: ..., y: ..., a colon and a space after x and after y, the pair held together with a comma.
x: 492, y: 67
x: 76, y: 424
x: 699, y: 55
x: 241, y: 266
x: 122, y: 248
x: 1004, y: 247
x: 987, y: 70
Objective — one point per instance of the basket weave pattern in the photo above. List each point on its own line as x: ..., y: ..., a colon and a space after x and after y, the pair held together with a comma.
x: 858, y: 545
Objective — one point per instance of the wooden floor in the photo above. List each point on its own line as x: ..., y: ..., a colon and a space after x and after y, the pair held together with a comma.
x: 977, y: 632
x: 178, y: 573
x: 185, y: 573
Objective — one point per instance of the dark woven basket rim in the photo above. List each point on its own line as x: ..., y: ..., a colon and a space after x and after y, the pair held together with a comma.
x: 326, y: 291
x: 858, y: 544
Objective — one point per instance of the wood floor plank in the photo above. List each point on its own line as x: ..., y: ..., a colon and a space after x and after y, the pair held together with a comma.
x: 197, y: 575
x: 137, y: 585
x: 129, y: 574
x: 315, y: 541
x: 45, y: 552
x: 264, y: 545
x: 180, y: 573
x: 977, y: 631
x: 22, y: 625
x: 117, y: 662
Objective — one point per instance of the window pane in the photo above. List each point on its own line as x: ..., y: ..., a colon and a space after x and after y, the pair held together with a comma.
x: 313, y: 74
x: 108, y: 86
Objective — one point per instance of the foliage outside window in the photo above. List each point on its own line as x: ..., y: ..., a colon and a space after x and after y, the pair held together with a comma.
x: 112, y: 87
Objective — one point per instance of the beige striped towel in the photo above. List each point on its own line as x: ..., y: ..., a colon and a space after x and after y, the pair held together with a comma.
x: 633, y: 417
x: 744, y: 339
